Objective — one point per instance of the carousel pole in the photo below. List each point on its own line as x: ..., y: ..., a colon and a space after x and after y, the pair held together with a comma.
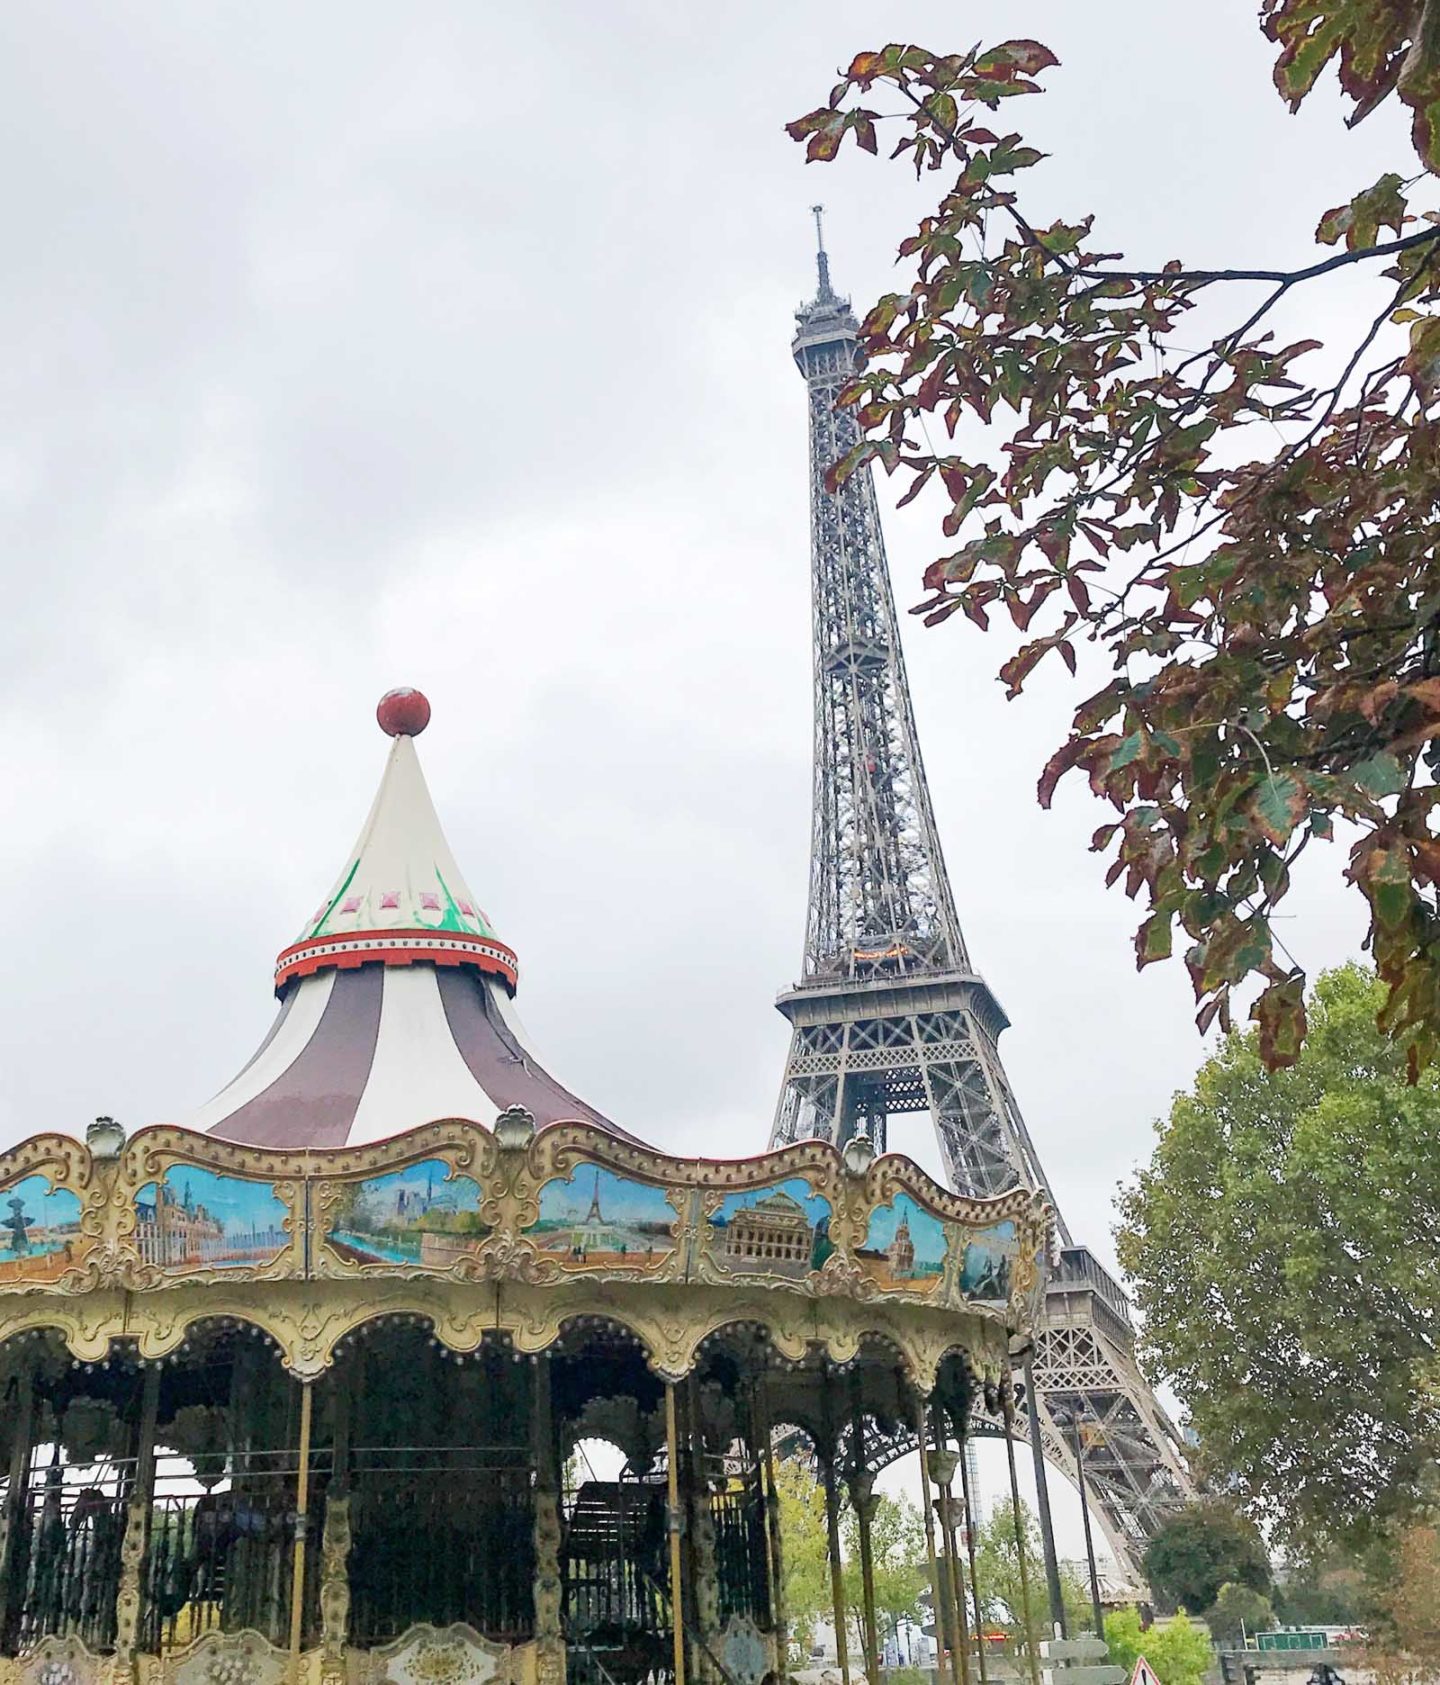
x: 302, y: 1506
x: 832, y: 1531
x: 1042, y: 1498
x: 765, y: 1440
x: 335, y: 1543
x: 547, y: 1531
x: 21, y: 1452
x: 864, y: 1499
x: 672, y: 1459
x: 702, y: 1532
x: 938, y: 1598
x: 944, y: 1473
x: 1032, y: 1648
x: 137, y: 1524
x: 967, y: 1521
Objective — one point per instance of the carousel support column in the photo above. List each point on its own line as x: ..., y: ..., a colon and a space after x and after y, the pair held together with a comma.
x: 765, y: 1440
x: 137, y: 1527
x: 335, y: 1545
x: 672, y: 1478
x: 943, y: 1462
x: 702, y: 1537
x: 939, y: 1601
x: 1042, y: 1498
x: 12, y: 1518
x: 1022, y: 1555
x: 549, y: 1643
x: 302, y: 1509
x: 865, y: 1501
x: 967, y: 1521
x: 828, y: 1454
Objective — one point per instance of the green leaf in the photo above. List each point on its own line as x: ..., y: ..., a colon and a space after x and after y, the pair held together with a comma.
x: 1128, y: 751
x: 1389, y: 886
x: 1380, y: 775
x: 1153, y: 940
x: 1278, y: 806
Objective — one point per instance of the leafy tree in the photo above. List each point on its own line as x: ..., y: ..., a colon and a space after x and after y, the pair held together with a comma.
x: 1177, y: 1649
x: 997, y: 1572
x: 1244, y: 531
x: 1238, y: 1611
x: 1331, y: 1591
x: 901, y: 1567
x: 805, y: 1553
x: 1201, y: 1549
x: 1282, y: 1248
x: 1405, y: 1640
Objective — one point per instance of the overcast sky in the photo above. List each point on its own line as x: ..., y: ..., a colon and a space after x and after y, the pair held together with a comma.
x: 357, y: 345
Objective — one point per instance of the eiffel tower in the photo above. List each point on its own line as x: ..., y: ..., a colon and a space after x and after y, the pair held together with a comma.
x: 890, y: 1015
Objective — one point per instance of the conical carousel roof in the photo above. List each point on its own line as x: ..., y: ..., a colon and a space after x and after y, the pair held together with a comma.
x: 396, y: 1001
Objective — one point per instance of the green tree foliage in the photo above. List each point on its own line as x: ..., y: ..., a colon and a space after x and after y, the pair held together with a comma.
x: 1238, y: 1611
x: 997, y: 1572
x: 897, y: 1542
x: 1404, y: 1645
x: 1178, y: 1649
x: 901, y: 1568
x: 805, y: 1551
x: 1331, y: 1591
x: 1200, y: 1550
x: 1282, y: 1249
x: 1244, y: 530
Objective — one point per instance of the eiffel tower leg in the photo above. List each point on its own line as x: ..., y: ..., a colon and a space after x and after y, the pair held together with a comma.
x: 1133, y: 1463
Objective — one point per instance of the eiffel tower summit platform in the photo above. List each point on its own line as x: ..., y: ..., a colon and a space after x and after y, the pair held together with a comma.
x: 890, y: 1015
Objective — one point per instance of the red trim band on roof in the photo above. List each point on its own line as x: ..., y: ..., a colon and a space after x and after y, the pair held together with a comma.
x: 396, y: 947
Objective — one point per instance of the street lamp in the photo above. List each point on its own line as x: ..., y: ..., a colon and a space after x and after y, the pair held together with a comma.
x: 1073, y: 1419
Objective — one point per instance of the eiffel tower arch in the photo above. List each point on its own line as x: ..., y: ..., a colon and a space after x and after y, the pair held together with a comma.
x: 889, y: 1015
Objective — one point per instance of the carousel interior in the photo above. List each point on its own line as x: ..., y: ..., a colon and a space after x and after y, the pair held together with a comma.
x: 412, y: 1485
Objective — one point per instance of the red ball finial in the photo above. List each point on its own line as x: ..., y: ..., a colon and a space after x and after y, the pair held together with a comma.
x: 403, y: 712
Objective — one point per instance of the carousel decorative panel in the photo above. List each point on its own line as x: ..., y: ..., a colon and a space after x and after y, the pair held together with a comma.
x: 423, y: 1215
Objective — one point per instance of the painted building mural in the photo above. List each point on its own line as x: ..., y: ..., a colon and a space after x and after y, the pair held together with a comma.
x: 203, y: 1219
x: 424, y: 1214
x: 904, y: 1246
x: 598, y: 1219
x: 989, y: 1262
x: 782, y: 1230
x: 39, y: 1230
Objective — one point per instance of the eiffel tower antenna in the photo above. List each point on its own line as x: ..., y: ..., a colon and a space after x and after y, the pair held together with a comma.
x: 890, y: 1016
x: 822, y: 257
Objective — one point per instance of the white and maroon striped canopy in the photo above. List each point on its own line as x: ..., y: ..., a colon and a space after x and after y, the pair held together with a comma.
x: 395, y: 1003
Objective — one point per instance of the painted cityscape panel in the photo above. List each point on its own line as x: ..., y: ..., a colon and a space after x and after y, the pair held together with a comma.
x: 904, y: 1246
x: 203, y: 1219
x: 597, y: 1219
x: 989, y: 1260
x: 424, y: 1214
x: 39, y: 1231
x: 781, y: 1230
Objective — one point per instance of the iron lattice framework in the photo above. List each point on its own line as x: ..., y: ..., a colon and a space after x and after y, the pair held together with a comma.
x: 890, y: 1016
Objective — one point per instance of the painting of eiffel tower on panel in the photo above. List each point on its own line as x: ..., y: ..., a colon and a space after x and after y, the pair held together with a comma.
x: 890, y: 1015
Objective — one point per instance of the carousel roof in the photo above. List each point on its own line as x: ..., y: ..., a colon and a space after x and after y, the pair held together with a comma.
x: 396, y: 1001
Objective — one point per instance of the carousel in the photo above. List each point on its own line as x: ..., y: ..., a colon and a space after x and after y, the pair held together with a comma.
x: 294, y: 1391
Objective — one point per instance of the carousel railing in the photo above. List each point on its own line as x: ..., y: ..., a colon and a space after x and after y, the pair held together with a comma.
x: 64, y: 1554
x: 737, y: 1512
x: 442, y: 1534
x: 221, y: 1552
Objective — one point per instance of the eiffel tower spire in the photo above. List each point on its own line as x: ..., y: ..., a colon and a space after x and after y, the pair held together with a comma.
x: 889, y: 1015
